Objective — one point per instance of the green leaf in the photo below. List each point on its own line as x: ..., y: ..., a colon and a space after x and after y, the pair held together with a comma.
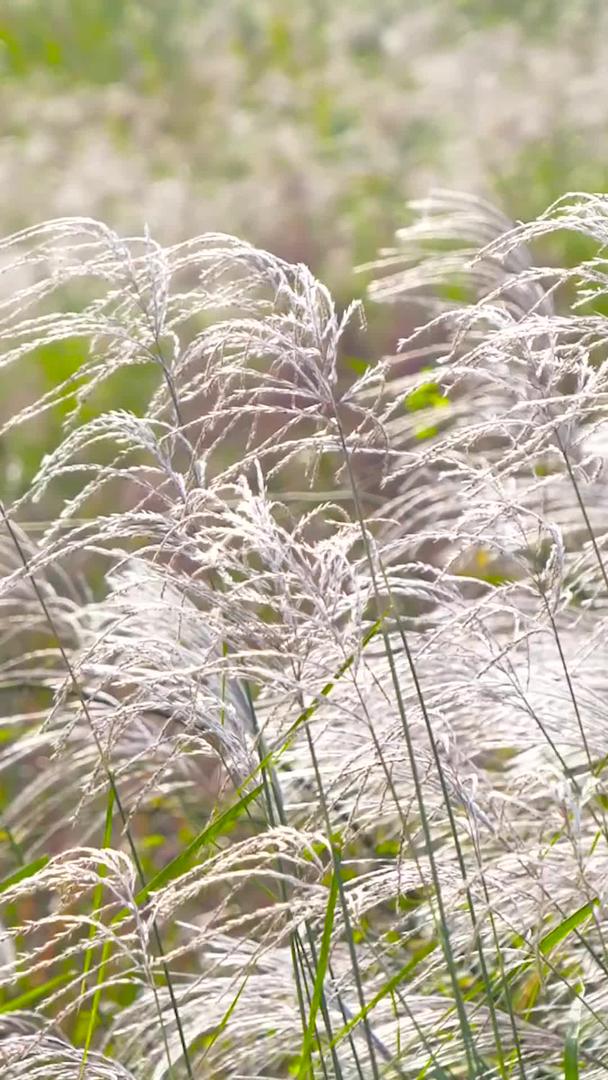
x: 357, y: 364
x: 571, y: 1045
x: 225, y: 1018
x: 323, y: 961
x: 426, y: 396
x: 105, y: 952
x: 388, y: 987
x: 426, y: 432
x: 559, y: 933
x: 24, y: 872
x: 547, y: 943
x: 183, y: 861
x: 31, y: 997
x: 571, y: 1058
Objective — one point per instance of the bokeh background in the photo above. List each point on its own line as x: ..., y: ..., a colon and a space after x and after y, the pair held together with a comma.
x: 303, y: 127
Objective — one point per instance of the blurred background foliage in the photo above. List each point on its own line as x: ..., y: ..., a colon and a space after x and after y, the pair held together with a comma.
x: 302, y: 127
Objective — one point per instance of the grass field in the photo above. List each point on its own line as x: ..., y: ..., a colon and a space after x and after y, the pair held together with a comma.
x: 303, y: 541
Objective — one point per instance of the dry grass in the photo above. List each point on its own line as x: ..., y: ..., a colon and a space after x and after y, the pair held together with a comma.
x: 304, y: 742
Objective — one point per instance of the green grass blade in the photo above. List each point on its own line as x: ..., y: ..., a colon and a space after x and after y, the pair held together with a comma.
x: 320, y: 973
x: 24, y: 872
x: 225, y: 1018
x: 38, y: 993
x: 571, y: 1058
x: 389, y: 986
x: 560, y: 933
x: 182, y: 862
x: 571, y: 1070
x: 105, y: 952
